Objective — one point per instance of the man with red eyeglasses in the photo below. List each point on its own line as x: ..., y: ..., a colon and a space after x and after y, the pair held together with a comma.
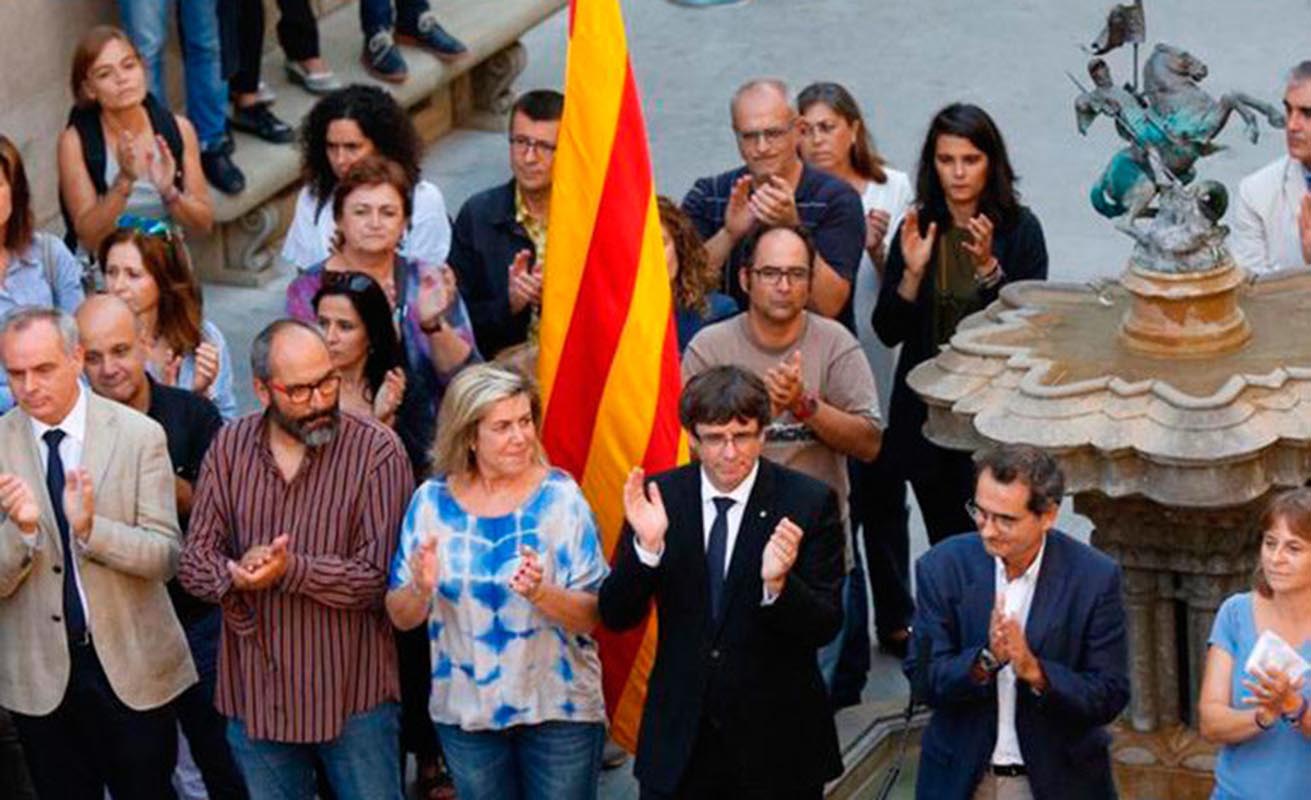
x: 292, y: 532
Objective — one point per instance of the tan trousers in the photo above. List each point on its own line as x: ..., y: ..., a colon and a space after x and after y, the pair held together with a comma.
x: 995, y: 787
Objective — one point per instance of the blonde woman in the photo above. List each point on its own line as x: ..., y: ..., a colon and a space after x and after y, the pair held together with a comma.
x: 500, y: 556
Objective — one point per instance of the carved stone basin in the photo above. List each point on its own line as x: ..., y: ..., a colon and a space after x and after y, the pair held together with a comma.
x: 1175, y: 404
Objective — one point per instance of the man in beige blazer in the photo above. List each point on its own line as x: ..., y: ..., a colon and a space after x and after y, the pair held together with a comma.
x: 91, y: 653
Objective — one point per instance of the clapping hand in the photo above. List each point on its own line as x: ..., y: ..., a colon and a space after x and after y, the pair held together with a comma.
x: 206, y: 360
x: 784, y: 383
x: 980, y: 245
x: 876, y: 230
x: 425, y: 566
x: 436, y: 294
x: 916, y: 248
x: 1274, y: 694
x: 738, y: 219
x: 645, y: 511
x: 780, y: 554
x: 774, y: 202
x: 525, y: 282
x: 18, y: 503
x: 261, y: 566
x: 1304, y: 227
x: 389, y: 396
x: 161, y: 166
x: 79, y: 501
x: 527, y: 578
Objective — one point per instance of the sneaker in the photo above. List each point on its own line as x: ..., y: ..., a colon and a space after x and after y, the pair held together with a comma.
x: 221, y: 173
x: 430, y: 35
x: 259, y: 120
x: 319, y: 83
x: 382, y: 59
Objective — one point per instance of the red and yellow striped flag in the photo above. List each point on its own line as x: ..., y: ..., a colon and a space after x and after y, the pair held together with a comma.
x: 608, y: 362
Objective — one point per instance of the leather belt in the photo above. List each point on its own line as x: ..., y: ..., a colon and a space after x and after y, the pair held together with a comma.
x: 1008, y: 770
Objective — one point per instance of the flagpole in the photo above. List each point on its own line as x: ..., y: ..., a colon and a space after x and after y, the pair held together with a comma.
x: 1135, y: 68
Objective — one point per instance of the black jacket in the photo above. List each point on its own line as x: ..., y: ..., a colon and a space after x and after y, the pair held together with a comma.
x: 755, y: 675
x: 1022, y: 253
x: 483, y: 243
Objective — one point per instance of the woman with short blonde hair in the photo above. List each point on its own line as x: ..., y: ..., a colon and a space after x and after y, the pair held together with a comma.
x: 500, y: 556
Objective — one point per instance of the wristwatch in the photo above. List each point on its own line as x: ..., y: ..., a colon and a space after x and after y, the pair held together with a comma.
x: 990, y: 663
x: 806, y: 406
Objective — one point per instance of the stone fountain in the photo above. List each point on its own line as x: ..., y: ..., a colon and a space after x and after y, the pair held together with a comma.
x: 1176, y: 398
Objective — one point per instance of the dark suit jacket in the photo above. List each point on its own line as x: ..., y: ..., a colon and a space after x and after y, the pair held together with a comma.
x: 1076, y: 628
x: 484, y: 241
x: 755, y: 674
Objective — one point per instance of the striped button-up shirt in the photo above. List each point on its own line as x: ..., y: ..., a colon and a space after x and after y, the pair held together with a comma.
x: 302, y: 656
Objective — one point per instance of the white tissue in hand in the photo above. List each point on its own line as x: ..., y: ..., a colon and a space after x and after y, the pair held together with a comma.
x: 1273, y: 653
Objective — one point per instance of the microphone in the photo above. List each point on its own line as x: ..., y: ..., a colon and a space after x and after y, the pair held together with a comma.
x: 919, y: 694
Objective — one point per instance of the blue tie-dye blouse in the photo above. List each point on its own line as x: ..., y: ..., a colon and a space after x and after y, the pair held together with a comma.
x: 496, y: 660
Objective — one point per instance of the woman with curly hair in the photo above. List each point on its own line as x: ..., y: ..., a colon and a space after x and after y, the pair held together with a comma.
x: 341, y: 129
x: 691, y: 277
x: 146, y: 265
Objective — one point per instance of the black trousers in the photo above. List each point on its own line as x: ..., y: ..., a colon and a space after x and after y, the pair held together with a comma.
x: 92, y: 740
x: 298, y: 34
x: 14, y: 781
x: 943, y: 490
x: 880, y: 516
x: 707, y: 777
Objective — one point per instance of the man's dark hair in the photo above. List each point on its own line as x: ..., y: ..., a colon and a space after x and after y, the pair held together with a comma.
x: 1034, y: 468
x: 382, y: 121
x: 721, y: 395
x: 1300, y: 72
x: 539, y: 105
x: 753, y: 241
x: 262, y: 347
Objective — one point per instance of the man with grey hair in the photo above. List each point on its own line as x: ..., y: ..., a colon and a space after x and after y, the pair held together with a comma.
x: 774, y: 187
x: 292, y: 533
x: 1272, y: 225
x: 91, y: 654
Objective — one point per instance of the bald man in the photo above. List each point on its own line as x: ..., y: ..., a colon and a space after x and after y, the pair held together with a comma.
x: 774, y: 188
x: 115, y: 366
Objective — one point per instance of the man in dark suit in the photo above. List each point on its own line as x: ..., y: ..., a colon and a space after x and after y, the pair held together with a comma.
x: 1020, y: 646
x: 744, y: 560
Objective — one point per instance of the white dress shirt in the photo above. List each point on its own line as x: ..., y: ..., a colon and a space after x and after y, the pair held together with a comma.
x: 70, y: 452
x: 740, y: 494
x: 1017, y: 595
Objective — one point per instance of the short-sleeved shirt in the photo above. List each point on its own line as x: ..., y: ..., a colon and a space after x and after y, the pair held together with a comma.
x: 830, y: 211
x: 496, y: 660
x: 832, y: 364
x: 427, y: 239
x: 27, y: 283
x: 1263, y: 766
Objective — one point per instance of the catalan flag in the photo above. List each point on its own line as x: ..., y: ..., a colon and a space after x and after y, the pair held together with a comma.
x: 608, y: 359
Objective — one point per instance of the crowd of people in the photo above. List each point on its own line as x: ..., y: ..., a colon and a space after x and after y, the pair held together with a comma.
x: 381, y: 561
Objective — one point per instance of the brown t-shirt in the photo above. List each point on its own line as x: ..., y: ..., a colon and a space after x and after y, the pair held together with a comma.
x: 832, y: 364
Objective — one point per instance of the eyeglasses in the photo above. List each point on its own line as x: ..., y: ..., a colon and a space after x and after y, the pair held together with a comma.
x: 720, y: 441
x: 775, y: 275
x: 769, y: 136
x: 325, y: 388
x: 981, y: 517
x: 524, y: 144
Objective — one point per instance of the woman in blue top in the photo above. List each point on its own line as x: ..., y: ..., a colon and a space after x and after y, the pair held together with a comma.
x: 146, y: 265
x: 1260, y: 717
x: 691, y: 278
x: 36, y: 268
x: 499, y: 555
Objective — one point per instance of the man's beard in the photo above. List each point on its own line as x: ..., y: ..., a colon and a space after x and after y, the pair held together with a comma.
x: 304, y: 430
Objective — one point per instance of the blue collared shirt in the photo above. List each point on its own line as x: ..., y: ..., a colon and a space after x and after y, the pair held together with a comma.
x: 25, y: 284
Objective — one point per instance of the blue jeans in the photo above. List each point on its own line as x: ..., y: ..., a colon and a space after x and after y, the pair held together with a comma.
x: 854, y: 634
x: 546, y: 761
x: 362, y: 762
x: 146, y: 23
x: 376, y: 15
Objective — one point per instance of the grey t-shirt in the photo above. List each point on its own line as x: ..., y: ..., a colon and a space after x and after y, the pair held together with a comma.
x: 832, y: 364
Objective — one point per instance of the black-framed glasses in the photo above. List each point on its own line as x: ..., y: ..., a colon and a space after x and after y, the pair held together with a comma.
x: 775, y: 275
x: 325, y: 387
x: 982, y: 516
x: 719, y: 441
x: 526, y: 143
